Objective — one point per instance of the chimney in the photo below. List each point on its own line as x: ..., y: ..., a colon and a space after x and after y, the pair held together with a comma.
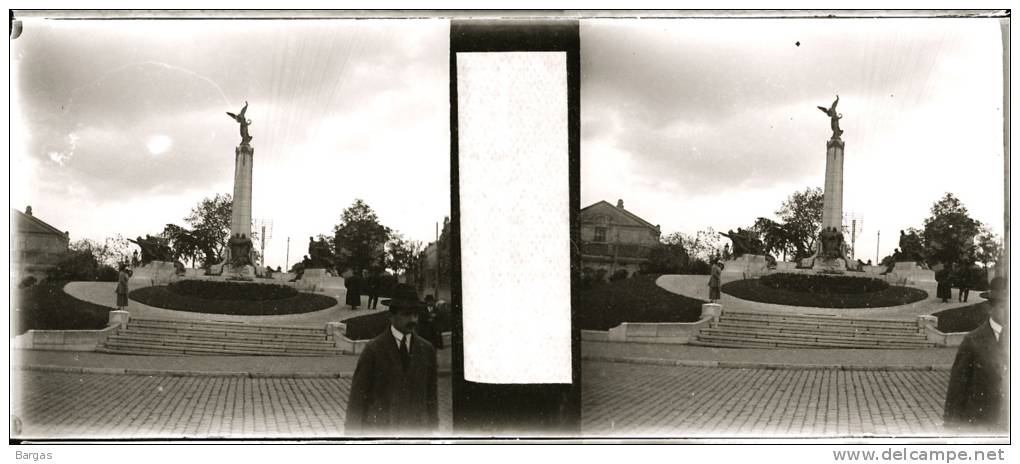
x: 28, y: 210
x: 619, y: 203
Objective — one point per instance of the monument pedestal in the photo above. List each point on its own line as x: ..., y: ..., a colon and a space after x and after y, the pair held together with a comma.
x: 912, y: 273
x: 152, y: 274
x: 320, y: 281
x: 744, y: 267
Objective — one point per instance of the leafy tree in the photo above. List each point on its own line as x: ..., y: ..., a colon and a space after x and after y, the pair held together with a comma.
x: 401, y: 253
x: 80, y: 263
x: 359, y: 238
x: 210, y: 230
x: 949, y: 233
x: 989, y: 248
x: 801, y: 216
x: 703, y: 245
x: 112, y: 252
x: 669, y: 257
x: 774, y: 237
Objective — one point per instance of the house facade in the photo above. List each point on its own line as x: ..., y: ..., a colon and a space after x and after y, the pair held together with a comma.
x: 613, y: 238
x: 36, y: 247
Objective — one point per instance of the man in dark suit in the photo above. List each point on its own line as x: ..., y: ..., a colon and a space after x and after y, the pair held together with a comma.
x: 978, y: 394
x: 394, y: 386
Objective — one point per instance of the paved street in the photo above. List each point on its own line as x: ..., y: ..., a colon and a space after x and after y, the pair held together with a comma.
x: 619, y: 399
x: 67, y: 405
x: 654, y: 401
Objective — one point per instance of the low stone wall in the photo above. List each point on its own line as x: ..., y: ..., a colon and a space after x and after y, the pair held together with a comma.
x: 929, y: 325
x: 657, y: 332
x: 71, y: 340
x: 339, y: 332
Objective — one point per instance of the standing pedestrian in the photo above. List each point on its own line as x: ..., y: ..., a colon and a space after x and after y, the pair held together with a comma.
x: 963, y: 281
x: 944, y: 286
x: 393, y: 391
x: 372, y: 285
x: 353, y: 284
x: 122, y: 287
x: 714, y: 282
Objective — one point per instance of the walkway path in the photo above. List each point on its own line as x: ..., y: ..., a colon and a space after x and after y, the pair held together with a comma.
x: 696, y: 286
x: 621, y: 399
x: 102, y: 293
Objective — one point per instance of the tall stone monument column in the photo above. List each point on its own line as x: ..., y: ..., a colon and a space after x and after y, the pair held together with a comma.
x: 240, y: 215
x: 239, y: 262
x: 830, y: 247
x: 832, y: 203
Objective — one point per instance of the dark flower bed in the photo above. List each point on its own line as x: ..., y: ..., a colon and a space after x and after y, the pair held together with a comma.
x: 370, y: 326
x: 827, y: 284
x: 637, y: 299
x: 45, y: 306
x: 814, y: 293
x: 162, y: 297
x: 216, y: 290
x: 963, y: 319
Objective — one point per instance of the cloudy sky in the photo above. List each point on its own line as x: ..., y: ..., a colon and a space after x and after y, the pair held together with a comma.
x: 120, y: 126
x: 713, y: 123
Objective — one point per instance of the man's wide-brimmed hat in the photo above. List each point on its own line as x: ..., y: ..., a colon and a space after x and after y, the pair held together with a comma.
x: 404, y: 296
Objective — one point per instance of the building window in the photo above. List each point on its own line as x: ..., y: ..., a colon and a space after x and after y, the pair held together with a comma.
x: 600, y: 234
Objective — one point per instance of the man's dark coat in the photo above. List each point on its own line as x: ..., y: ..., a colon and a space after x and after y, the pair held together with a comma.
x: 388, y: 400
x: 976, y: 395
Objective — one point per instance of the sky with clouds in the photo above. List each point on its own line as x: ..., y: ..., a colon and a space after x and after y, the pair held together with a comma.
x: 120, y: 126
x: 713, y: 123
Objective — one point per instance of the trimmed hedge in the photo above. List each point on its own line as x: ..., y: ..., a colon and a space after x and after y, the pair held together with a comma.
x: 825, y: 297
x: 45, y: 306
x: 824, y: 284
x: 963, y: 319
x: 636, y: 299
x: 162, y: 297
x: 218, y: 290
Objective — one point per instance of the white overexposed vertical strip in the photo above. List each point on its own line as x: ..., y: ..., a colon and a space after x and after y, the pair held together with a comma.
x: 514, y: 216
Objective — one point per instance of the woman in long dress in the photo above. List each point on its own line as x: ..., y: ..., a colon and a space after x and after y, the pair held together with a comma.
x: 353, y: 284
x: 122, y: 288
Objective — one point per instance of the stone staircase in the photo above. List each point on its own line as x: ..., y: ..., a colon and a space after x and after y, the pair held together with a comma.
x: 179, y: 337
x: 738, y: 329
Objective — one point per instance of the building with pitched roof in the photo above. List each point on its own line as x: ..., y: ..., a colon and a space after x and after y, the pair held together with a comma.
x: 36, y: 246
x: 613, y: 238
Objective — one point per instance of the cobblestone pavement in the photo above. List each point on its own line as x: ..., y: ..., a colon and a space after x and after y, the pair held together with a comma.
x: 64, y: 405
x: 656, y: 401
x: 619, y: 399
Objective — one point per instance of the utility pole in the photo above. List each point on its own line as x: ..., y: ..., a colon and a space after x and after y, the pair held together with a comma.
x: 878, y: 240
x: 435, y: 291
x: 266, y: 229
x: 286, y: 264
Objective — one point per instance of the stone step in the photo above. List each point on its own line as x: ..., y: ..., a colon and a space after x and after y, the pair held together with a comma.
x: 811, y: 322
x: 221, y: 334
x: 786, y: 342
x: 212, y: 343
x: 757, y: 333
x: 224, y: 326
x: 819, y: 318
x: 807, y: 328
x: 179, y: 347
x: 165, y: 351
